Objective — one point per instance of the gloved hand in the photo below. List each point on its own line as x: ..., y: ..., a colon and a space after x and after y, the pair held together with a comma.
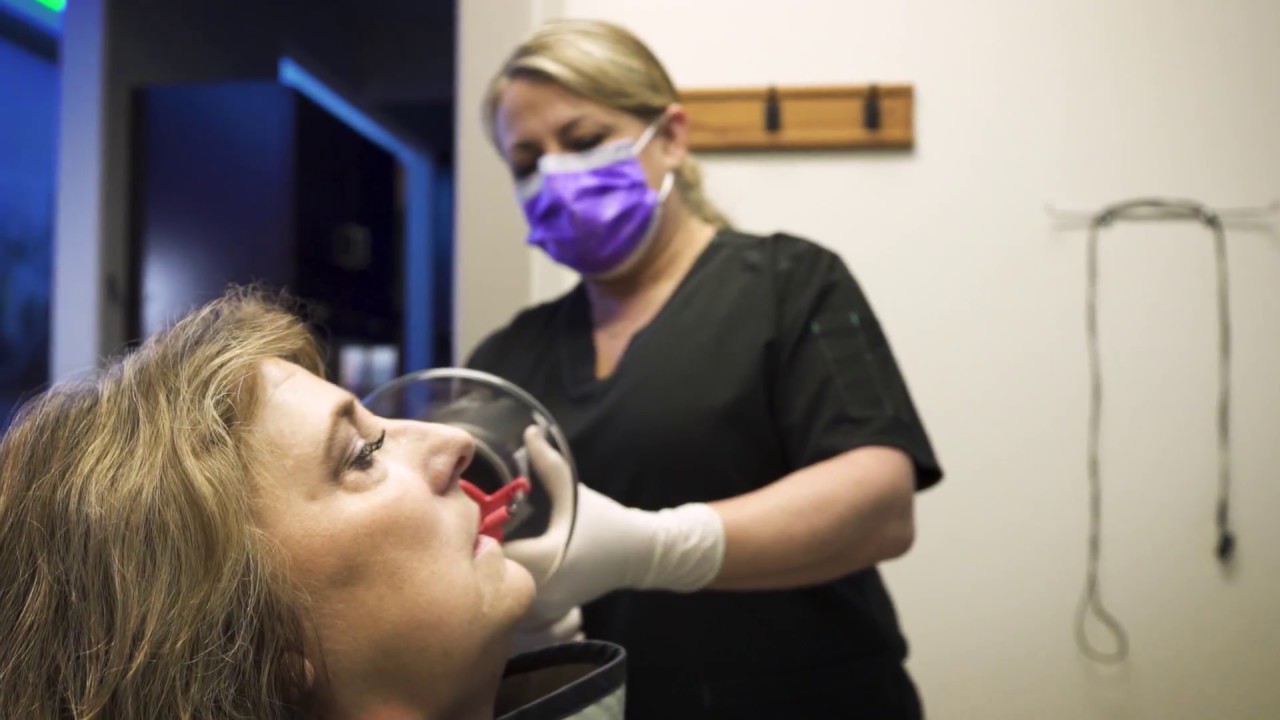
x: 533, y: 633
x: 614, y: 547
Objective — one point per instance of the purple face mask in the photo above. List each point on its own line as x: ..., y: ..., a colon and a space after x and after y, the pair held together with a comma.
x: 593, y: 211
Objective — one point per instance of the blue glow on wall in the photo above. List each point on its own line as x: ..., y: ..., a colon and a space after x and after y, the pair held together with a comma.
x: 27, y: 165
x: 43, y: 14
x: 418, y: 336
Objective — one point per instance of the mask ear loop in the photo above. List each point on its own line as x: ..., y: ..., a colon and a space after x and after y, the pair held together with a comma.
x: 668, y: 182
x: 668, y: 179
x: 649, y: 133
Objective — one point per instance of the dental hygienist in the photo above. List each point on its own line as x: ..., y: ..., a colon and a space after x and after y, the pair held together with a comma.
x: 730, y: 398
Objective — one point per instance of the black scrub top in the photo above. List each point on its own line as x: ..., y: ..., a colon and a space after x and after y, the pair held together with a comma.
x: 766, y: 359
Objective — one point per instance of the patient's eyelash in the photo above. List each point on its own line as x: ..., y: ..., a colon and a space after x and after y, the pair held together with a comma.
x: 364, y: 459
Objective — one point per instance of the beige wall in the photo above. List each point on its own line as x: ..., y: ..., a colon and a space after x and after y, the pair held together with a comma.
x: 1020, y: 105
x: 497, y: 274
x: 495, y: 271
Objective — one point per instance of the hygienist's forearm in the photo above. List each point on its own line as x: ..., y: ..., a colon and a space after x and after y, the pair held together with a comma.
x: 819, y: 523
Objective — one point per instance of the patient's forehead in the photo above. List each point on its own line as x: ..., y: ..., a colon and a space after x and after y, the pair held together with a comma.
x: 277, y: 372
x: 296, y: 408
x: 291, y: 388
x: 301, y: 431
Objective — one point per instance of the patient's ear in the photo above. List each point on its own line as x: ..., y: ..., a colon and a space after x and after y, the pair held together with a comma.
x: 305, y: 692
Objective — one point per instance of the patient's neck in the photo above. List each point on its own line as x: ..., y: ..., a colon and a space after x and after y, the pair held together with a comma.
x: 378, y: 706
x: 392, y: 710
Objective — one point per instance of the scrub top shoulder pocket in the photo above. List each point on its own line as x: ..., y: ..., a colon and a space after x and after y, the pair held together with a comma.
x: 852, y: 352
x: 837, y: 385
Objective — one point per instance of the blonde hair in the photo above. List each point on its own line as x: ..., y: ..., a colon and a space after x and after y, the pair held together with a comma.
x: 605, y: 64
x: 133, y: 582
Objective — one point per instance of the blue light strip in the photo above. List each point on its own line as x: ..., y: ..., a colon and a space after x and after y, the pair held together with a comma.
x: 419, y: 280
x: 37, y: 14
x: 418, y: 337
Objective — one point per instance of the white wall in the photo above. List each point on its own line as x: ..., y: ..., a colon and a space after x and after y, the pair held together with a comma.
x: 493, y: 271
x: 497, y: 273
x: 1019, y: 105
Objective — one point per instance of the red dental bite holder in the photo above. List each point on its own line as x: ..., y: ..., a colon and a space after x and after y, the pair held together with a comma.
x: 495, y: 509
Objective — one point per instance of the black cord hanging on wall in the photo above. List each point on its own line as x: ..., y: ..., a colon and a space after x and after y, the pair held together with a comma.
x: 1225, y: 545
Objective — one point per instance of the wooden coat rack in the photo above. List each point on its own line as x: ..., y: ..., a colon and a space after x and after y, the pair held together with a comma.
x: 801, y: 118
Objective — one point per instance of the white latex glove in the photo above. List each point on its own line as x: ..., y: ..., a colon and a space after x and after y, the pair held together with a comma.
x: 531, y: 634
x: 614, y: 547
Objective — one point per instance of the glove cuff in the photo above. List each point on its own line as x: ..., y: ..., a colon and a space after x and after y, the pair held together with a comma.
x: 689, y: 549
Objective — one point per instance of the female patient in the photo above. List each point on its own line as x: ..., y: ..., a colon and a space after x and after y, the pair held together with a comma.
x: 208, y: 529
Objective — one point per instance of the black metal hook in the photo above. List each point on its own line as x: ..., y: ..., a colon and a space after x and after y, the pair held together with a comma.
x: 871, y: 109
x: 772, y: 111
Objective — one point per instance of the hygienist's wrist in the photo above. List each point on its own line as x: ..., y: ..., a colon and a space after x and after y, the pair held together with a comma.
x: 688, y: 548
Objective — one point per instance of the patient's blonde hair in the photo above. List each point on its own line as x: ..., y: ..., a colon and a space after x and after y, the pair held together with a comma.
x: 133, y: 582
x: 608, y: 65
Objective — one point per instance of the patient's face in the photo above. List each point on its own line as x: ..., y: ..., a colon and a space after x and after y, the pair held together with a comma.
x: 377, y: 532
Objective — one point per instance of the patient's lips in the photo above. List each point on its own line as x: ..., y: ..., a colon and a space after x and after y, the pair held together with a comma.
x: 495, y: 509
x: 483, y: 544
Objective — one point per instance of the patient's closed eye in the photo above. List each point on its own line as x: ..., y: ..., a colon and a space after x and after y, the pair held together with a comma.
x: 364, y: 458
